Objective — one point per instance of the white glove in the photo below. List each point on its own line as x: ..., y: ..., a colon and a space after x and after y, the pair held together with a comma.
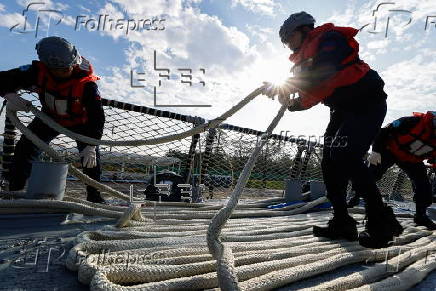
x: 17, y: 103
x: 374, y: 158
x: 89, y: 157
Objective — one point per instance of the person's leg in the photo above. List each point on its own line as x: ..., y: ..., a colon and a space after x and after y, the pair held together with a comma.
x: 417, y: 173
x: 341, y: 225
x: 93, y: 194
x: 336, y: 184
x: 377, y: 172
x: 25, y: 152
x: 360, y: 129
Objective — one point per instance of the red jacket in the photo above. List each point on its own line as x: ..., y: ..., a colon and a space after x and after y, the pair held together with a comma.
x: 63, y: 101
x: 419, y: 143
x: 353, y: 68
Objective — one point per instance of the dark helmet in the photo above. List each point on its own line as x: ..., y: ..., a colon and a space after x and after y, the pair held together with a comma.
x: 57, y: 52
x: 294, y: 20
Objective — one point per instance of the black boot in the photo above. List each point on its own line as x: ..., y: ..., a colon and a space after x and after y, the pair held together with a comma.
x: 424, y: 220
x: 94, y: 196
x: 380, y: 229
x: 343, y: 227
x: 393, y: 223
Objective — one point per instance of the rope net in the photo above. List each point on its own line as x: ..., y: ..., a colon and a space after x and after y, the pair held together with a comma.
x: 214, y: 158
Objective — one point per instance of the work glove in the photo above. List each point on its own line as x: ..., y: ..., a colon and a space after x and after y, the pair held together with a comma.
x: 285, y: 100
x: 270, y: 90
x: 17, y: 103
x: 374, y: 158
x: 89, y: 157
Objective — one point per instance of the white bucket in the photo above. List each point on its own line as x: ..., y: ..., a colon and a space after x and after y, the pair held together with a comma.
x: 47, y: 180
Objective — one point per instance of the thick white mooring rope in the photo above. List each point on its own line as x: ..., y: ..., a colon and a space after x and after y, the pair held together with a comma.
x: 222, y: 253
x: 154, y: 141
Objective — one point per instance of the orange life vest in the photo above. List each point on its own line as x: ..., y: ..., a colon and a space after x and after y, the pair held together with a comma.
x: 353, y: 68
x: 419, y: 143
x: 63, y: 101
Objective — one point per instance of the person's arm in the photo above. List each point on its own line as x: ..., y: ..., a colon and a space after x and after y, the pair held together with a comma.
x: 332, y: 50
x: 399, y: 126
x: 94, y: 108
x: 20, y: 78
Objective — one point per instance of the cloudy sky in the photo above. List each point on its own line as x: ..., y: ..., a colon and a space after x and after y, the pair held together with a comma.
x: 231, y: 46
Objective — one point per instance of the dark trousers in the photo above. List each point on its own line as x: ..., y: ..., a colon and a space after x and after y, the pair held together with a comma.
x: 26, y: 151
x: 417, y: 173
x: 347, y: 139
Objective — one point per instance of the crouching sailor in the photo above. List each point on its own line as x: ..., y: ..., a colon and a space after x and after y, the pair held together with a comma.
x: 66, y: 87
x: 408, y: 142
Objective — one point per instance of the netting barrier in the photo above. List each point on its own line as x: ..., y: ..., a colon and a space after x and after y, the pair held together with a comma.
x: 214, y: 157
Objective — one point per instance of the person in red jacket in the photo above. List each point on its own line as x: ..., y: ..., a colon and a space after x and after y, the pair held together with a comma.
x: 66, y: 87
x: 328, y: 70
x: 408, y: 142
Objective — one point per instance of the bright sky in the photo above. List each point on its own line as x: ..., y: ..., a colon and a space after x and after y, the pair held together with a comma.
x: 236, y: 43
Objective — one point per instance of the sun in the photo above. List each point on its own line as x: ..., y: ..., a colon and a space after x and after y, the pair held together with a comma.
x: 276, y: 71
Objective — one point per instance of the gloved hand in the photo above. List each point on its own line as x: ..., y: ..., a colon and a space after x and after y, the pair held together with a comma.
x: 285, y: 100
x: 270, y: 90
x: 89, y: 157
x: 286, y: 88
x: 17, y: 103
x: 374, y: 158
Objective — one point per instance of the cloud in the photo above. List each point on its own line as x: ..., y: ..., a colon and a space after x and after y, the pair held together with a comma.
x: 266, y: 7
x: 190, y: 40
x: 411, y: 84
x: 10, y: 19
x: 47, y: 4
